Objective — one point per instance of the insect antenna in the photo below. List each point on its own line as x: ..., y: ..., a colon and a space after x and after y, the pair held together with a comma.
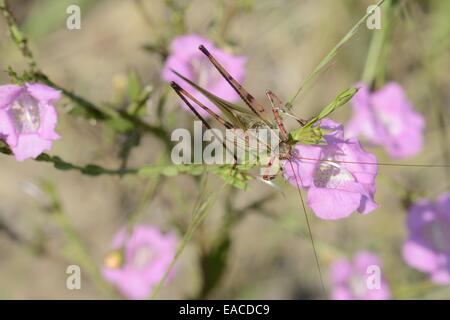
x: 380, y: 163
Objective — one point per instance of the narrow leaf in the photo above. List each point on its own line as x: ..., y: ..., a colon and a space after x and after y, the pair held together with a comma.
x: 307, y: 130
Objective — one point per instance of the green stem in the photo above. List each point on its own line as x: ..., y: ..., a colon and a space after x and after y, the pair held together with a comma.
x: 16, y: 35
x: 90, y: 169
x: 151, y: 189
x: 377, y: 58
x: 91, y: 108
x: 376, y: 45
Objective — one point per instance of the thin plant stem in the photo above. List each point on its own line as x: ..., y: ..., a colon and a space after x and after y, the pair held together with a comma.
x: 376, y: 60
x: 198, y: 215
x: 311, y: 238
x: 329, y: 57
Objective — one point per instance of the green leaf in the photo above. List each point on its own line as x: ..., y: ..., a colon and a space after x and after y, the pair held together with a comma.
x: 232, y: 176
x: 344, y: 97
x: 20, y: 79
x: 310, y: 135
x: 92, y: 170
x: 307, y: 131
x: 134, y: 85
x: 120, y: 124
x: 62, y: 165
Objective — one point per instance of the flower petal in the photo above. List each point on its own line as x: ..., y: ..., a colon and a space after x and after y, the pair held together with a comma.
x: 387, y: 118
x: 341, y: 271
x: 7, y: 128
x: 8, y: 93
x: 362, y: 164
x: 188, y: 44
x: 130, y: 283
x: 420, y: 214
x: 30, y: 146
x: 367, y: 205
x: 443, y: 205
x: 441, y: 277
x: 49, y: 119
x: 332, y: 204
x: 365, y: 259
x: 341, y: 293
x: 139, y: 274
x: 304, y: 164
x: 336, y: 130
x: 383, y: 293
x: 419, y: 256
x: 43, y: 93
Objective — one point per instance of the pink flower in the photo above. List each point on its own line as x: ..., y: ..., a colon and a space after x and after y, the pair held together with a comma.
x: 428, y: 246
x: 386, y: 118
x: 359, y: 280
x: 139, y: 261
x: 28, y: 118
x: 339, y: 175
x: 186, y: 59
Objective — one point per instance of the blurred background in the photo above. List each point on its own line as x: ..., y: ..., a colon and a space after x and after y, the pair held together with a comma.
x: 270, y: 256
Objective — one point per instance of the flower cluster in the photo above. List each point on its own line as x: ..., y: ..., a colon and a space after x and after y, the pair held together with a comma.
x: 28, y: 118
x: 338, y: 175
